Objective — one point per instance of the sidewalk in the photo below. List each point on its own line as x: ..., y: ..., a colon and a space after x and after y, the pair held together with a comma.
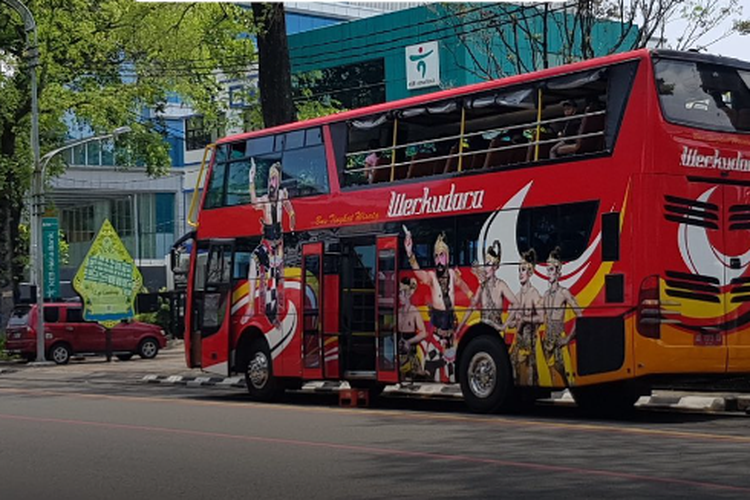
x: 169, y: 360
x: 169, y: 368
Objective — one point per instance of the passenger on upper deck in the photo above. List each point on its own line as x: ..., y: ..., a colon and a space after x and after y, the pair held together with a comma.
x: 371, y: 162
x: 570, y: 128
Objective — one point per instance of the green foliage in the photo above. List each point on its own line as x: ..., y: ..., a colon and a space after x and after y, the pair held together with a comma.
x: 313, y: 108
x: 3, y: 355
x: 161, y: 317
x: 742, y: 27
x: 24, y: 237
x: 102, y: 65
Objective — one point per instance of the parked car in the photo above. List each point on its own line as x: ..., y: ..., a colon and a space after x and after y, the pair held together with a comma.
x: 67, y: 334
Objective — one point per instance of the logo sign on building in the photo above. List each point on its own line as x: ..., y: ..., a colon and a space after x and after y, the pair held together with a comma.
x: 108, y: 279
x: 51, y: 257
x: 422, y: 65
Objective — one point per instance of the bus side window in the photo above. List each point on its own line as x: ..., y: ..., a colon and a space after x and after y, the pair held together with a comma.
x: 304, y: 169
x: 215, y: 195
x: 567, y: 227
x: 367, y: 157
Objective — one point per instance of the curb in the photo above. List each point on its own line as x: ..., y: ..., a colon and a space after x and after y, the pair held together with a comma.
x: 729, y: 403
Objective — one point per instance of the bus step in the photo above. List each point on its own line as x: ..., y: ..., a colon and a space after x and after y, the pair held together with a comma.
x: 354, y: 398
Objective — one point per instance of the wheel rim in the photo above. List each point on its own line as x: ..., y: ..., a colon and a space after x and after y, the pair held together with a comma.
x: 482, y: 375
x: 60, y: 355
x: 257, y: 370
x: 149, y: 349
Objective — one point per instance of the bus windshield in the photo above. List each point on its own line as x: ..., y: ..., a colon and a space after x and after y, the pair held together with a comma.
x: 703, y: 95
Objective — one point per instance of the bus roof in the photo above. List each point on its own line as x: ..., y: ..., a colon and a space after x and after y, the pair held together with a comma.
x: 701, y: 58
x: 446, y: 94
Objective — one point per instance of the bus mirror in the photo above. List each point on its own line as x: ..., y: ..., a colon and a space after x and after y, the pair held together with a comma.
x: 178, y: 261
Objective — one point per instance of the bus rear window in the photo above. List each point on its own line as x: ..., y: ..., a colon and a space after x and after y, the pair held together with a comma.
x: 703, y: 95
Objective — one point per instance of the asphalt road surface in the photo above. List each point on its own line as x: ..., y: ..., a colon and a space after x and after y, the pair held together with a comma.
x: 103, y: 439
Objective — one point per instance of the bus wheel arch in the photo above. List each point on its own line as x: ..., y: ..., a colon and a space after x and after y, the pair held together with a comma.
x: 254, y: 361
x: 484, y: 370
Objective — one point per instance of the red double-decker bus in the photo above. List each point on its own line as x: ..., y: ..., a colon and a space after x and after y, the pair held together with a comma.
x: 584, y: 227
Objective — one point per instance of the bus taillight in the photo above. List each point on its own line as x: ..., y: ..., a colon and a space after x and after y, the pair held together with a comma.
x: 649, y: 308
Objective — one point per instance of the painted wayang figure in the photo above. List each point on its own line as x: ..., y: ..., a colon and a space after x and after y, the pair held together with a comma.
x: 556, y: 301
x: 267, y: 262
x: 411, y: 331
x: 442, y: 283
x: 527, y: 317
x: 493, y: 292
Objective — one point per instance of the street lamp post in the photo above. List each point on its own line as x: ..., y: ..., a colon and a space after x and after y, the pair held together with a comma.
x: 38, y: 206
x: 37, y: 181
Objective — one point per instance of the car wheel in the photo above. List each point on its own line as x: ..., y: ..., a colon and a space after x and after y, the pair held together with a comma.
x: 60, y: 354
x: 261, y: 384
x: 148, y: 348
x: 125, y: 357
x: 486, y: 380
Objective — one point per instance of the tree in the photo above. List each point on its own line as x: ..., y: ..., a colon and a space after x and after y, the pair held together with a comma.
x: 274, y: 78
x: 504, y: 39
x: 103, y: 63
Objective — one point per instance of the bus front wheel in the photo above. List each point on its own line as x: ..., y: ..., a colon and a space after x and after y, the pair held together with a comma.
x: 486, y: 377
x: 259, y: 378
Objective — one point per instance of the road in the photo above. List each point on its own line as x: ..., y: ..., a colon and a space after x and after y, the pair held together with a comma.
x: 104, y: 438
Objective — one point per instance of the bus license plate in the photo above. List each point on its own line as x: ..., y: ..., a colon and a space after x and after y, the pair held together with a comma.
x: 709, y: 339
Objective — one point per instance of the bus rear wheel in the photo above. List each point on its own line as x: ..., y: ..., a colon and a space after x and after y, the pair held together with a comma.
x: 259, y: 379
x: 485, y: 374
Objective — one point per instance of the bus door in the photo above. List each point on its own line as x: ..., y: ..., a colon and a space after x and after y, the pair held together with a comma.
x: 737, y: 260
x: 311, y: 302
x: 211, y: 305
x: 387, y: 292
x: 357, y: 311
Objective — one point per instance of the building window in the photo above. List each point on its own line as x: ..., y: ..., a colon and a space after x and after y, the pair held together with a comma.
x: 350, y: 86
x: 240, y: 96
x: 78, y: 224
x: 197, y: 135
x: 122, y: 216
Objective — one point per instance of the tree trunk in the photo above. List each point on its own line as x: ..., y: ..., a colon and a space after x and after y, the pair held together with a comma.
x: 275, y: 79
x: 10, y: 212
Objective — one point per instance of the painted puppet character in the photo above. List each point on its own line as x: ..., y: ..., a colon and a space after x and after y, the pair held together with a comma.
x: 493, y: 291
x: 268, y: 257
x: 442, y: 282
x: 527, y: 317
x: 556, y: 300
x: 411, y: 331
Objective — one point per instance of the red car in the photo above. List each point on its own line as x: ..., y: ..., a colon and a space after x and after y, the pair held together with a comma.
x: 66, y: 334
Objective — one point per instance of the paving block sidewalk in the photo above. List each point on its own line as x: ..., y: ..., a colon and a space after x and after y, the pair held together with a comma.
x: 713, y: 402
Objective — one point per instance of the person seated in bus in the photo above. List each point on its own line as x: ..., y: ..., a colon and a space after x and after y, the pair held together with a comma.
x: 372, y: 159
x: 571, y: 128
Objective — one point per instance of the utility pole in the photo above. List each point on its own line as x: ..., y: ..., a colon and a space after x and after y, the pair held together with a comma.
x: 37, y: 182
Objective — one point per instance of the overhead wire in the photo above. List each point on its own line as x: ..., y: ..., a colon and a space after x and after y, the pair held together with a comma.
x: 160, y: 71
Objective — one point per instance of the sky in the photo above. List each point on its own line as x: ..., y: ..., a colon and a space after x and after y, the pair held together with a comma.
x: 737, y: 46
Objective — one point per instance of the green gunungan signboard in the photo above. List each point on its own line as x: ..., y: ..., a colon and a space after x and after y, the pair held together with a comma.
x: 108, y: 280
x: 51, y: 257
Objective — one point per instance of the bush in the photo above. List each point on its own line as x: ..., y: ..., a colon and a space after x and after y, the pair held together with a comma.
x: 160, y: 317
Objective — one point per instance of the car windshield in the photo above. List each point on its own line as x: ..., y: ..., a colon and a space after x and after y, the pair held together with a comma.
x: 703, y: 95
x: 19, y: 316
